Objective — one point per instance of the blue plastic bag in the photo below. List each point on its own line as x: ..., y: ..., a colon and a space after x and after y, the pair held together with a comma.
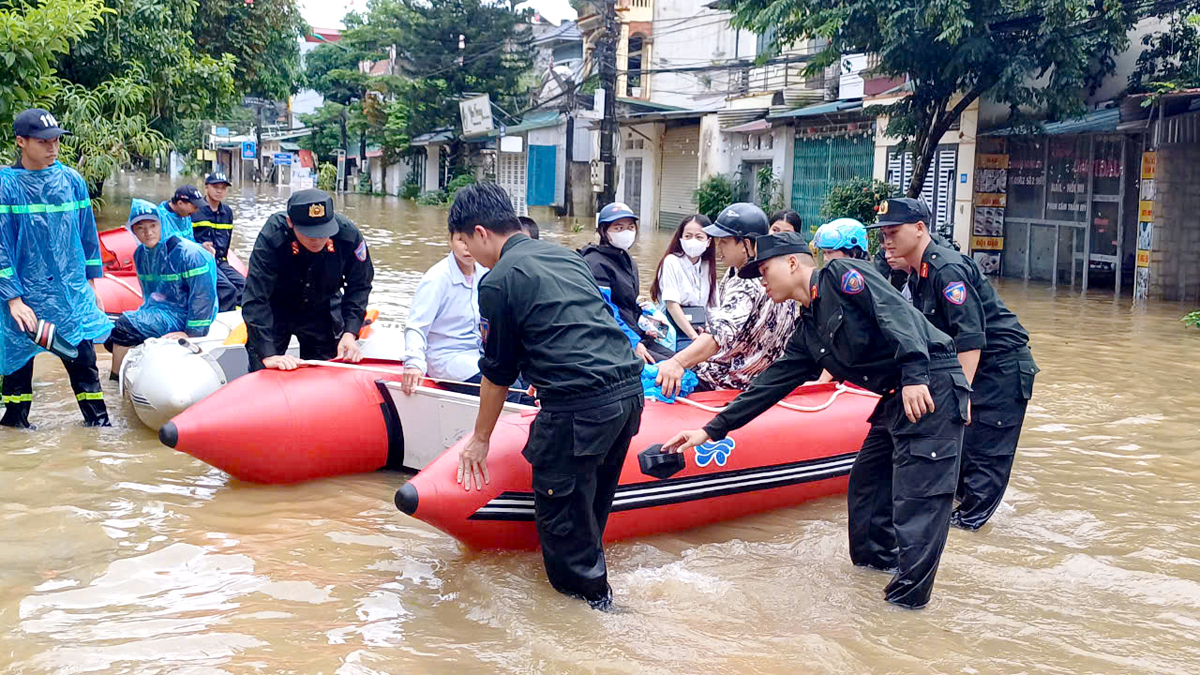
x: 650, y: 372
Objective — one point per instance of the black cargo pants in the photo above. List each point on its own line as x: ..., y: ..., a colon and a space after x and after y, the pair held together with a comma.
x: 902, y: 486
x: 577, y: 459
x: 317, y: 339
x: 85, y: 381
x: 1000, y: 393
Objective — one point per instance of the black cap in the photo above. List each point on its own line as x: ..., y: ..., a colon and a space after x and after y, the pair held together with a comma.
x: 311, y: 212
x: 739, y: 220
x: 187, y: 193
x: 216, y: 178
x: 900, y: 211
x: 772, y: 246
x: 38, y: 123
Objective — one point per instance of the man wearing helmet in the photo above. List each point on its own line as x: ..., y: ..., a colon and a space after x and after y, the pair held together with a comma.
x: 748, y: 331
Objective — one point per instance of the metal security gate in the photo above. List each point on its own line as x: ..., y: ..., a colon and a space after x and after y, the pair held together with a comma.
x: 680, y: 175
x: 511, y: 173
x: 820, y: 164
x: 633, y: 184
x: 938, y: 190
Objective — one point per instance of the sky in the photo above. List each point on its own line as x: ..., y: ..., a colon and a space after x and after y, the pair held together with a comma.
x: 329, y: 13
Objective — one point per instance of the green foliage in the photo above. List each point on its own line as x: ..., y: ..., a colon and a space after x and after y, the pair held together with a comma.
x: 326, y: 123
x: 1031, y: 54
x: 432, y: 198
x: 327, y: 177
x: 410, y: 190
x: 263, y: 38
x: 1192, y: 319
x: 32, y: 38
x: 770, y: 190
x: 714, y: 194
x: 1171, y: 58
x: 445, y: 197
x: 364, y: 182
x: 856, y: 198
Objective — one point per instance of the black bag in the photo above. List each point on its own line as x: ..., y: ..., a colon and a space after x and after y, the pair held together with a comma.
x: 696, y: 315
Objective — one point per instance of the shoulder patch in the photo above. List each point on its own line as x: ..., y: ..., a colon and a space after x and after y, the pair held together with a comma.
x: 852, y: 282
x: 956, y: 292
x: 361, y: 251
x: 483, y: 330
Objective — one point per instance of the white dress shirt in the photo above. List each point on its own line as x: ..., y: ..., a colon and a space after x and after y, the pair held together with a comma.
x: 683, y: 281
x: 441, y: 336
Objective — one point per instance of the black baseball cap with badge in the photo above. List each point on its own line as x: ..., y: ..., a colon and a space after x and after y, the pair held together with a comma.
x: 772, y: 246
x: 187, y: 193
x: 38, y: 123
x: 900, y: 212
x: 311, y: 213
x: 216, y: 178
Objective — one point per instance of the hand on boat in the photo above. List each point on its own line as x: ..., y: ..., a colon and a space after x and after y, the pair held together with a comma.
x: 281, y: 362
x: 472, y: 462
x: 412, y: 377
x: 348, y: 350
x: 175, y: 335
x: 685, y: 440
x: 670, y: 373
x: 918, y: 402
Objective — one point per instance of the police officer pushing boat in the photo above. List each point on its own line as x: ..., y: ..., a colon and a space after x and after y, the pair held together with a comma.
x: 309, y: 276
x: 855, y: 325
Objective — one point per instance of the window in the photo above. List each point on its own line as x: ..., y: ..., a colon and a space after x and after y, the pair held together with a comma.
x: 634, y: 66
x: 764, y: 46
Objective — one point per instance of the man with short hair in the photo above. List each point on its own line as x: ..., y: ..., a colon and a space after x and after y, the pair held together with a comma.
x: 993, y: 348
x: 748, y: 331
x: 859, y: 328
x: 176, y: 213
x: 213, y: 227
x: 310, y: 276
x: 542, y: 314
x: 49, y: 255
x: 530, y: 227
x: 179, y: 287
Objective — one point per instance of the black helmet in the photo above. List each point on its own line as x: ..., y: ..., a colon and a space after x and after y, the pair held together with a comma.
x: 739, y: 220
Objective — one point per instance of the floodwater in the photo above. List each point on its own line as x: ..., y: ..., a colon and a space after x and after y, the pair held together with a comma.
x: 119, y: 555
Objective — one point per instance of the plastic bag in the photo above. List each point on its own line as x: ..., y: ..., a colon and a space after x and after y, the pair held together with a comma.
x: 686, y: 385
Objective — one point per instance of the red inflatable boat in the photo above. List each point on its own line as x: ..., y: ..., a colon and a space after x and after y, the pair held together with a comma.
x: 785, y: 457
x: 119, y: 289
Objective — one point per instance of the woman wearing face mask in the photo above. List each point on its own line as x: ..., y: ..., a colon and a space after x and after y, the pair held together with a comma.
x: 686, y: 280
x: 617, y: 277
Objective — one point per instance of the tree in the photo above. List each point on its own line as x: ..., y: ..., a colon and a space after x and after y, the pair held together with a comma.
x: 326, y: 123
x: 263, y: 36
x: 1028, y: 54
x: 1171, y: 58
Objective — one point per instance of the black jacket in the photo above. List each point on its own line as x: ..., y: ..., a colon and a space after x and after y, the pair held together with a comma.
x: 613, y: 269
x: 858, y: 328
x: 215, y: 227
x: 289, y: 285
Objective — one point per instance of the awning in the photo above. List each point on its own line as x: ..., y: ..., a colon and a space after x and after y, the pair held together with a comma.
x: 538, y: 119
x: 830, y: 108
x: 433, y: 137
x: 749, y: 127
x: 291, y: 147
x: 1097, y: 122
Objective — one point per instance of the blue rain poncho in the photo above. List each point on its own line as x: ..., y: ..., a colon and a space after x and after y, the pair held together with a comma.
x: 49, y: 250
x: 173, y: 225
x: 179, y: 287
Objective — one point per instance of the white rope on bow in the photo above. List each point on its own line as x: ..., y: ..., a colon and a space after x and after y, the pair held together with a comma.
x: 798, y: 408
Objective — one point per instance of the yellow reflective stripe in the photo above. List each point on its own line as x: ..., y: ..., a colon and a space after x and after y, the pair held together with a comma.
x: 17, y: 398
x: 199, y: 323
x: 159, y: 277
x: 195, y: 272
x: 46, y: 208
x: 89, y: 396
x: 215, y: 226
x: 95, y: 263
x: 6, y: 273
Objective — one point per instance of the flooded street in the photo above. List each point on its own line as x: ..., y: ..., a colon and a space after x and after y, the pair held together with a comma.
x: 119, y: 555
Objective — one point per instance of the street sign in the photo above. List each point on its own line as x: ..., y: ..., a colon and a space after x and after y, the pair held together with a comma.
x: 282, y: 158
x: 476, y: 115
x: 222, y: 131
x: 249, y: 151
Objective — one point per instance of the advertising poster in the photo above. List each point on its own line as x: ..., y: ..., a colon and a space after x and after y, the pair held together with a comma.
x: 1145, y: 238
x: 991, y: 198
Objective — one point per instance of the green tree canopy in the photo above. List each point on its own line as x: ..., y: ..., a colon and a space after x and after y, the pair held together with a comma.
x: 264, y: 38
x: 33, y: 36
x: 1028, y: 54
x: 1171, y: 58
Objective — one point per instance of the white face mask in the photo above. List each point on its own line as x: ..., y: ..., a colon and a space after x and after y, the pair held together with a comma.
x: 693, y: 248
x: 622, y: 240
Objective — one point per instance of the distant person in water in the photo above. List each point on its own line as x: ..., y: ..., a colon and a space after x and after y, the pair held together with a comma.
x: 529, y: 226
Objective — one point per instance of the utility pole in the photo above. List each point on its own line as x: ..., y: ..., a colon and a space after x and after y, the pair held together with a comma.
x: 608, y: 80
x: 258, y: 146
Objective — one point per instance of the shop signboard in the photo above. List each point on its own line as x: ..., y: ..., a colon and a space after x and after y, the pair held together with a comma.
x: 1145, y: 239
x: 991, y: 197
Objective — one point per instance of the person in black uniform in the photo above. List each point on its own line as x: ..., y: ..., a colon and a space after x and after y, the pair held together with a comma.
x: 310, y: 275
x: 213, y: 227
x: 859, y: 328
x: 993, y: 348
x: 542, y: 314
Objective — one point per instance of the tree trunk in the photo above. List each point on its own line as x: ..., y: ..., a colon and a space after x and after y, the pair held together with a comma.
x: 926, y: 148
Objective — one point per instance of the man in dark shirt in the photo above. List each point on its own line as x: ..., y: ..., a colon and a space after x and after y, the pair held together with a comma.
x: 858, y: 327
x: 542, y: 314
x: 310, y: 275
x: 212, y: 225
x: 993, y: 348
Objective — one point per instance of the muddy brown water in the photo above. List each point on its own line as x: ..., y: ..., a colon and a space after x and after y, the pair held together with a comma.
x: 119, y: 555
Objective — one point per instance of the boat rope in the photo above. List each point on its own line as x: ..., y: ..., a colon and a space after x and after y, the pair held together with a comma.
x: 122, y: 282
x: 798, y: 408
x: 393, y: 371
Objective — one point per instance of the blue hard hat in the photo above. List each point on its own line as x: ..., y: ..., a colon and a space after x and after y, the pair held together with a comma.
x: 841, y: 233
x: 614, y: 212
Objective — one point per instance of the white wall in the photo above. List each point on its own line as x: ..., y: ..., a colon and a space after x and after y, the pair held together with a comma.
x: 688, y: 34
x: 432, y: 154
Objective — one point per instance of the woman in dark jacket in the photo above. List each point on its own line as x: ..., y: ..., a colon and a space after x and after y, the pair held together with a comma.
x: 617, y: 276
